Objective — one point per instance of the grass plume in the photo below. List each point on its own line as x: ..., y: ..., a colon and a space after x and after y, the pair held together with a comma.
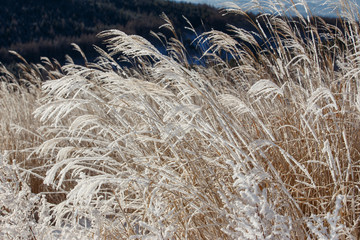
x: 260, y: 142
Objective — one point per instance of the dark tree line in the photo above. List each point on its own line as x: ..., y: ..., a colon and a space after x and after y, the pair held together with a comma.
x: 37, y: 28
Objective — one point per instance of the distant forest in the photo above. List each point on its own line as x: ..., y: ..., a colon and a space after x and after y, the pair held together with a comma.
x: 37, y: 28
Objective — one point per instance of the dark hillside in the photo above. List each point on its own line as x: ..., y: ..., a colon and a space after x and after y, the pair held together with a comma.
x: 37, y: 28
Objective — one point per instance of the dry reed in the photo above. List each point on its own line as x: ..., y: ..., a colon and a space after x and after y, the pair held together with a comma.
x: 261, y: 145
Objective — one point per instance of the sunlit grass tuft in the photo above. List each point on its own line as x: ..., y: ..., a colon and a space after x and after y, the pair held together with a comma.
x: 260, y: 142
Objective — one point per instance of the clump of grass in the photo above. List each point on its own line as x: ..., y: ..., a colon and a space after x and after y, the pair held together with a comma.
x: 259, y: 145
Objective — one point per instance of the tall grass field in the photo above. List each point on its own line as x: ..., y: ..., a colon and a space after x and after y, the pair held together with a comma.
x: 258, y: 138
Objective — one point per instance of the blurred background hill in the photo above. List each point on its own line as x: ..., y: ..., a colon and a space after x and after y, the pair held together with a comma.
x: 37, y: 28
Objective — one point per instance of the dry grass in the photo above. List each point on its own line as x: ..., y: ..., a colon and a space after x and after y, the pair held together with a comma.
x: 262, y: 146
